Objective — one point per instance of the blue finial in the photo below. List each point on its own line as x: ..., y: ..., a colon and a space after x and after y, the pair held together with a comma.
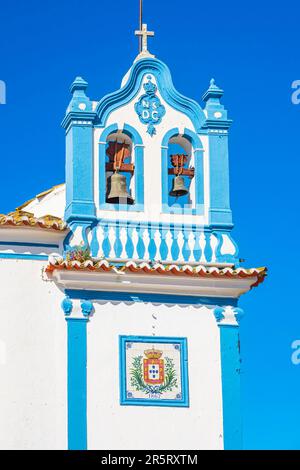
x: 79, y: 84
x: 213, y: 91
x: 80, y: 102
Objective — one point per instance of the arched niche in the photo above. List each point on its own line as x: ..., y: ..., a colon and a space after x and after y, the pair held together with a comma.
x: 135, y: 179
x: 189, y: 145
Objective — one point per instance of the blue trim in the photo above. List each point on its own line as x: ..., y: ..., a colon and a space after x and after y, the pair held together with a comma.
x: 23, y: 256
x: 219, y: 212
x: 67, y: 306
x: 181, y: 402
x: 230, y: 366
x: 197, y: 147
x: 44, y: 245
x: 121, y: 97
x: 155, y: 298
x: 77, y: 385
x: 79, y: 173
x: 138, y: 148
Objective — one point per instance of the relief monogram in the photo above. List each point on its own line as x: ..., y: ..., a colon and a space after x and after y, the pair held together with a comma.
x: 149, y: 108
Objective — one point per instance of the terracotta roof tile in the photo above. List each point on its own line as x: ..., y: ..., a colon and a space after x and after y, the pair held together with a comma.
x: 27, y: 219
x: 157, y: 268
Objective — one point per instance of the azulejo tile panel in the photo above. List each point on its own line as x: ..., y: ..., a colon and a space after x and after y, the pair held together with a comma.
x: 153, y: 371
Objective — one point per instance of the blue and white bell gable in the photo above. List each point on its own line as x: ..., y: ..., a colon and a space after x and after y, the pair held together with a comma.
x: 154, y: 120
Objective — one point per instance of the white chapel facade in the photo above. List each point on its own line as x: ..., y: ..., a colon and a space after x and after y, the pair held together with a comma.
x: 121, y: 287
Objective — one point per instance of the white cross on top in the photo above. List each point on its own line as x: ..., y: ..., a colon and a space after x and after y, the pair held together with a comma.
x: 144, y: 34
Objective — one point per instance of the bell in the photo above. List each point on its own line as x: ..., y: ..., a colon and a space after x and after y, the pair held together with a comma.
x: 117, y: 190
x: 178, y: 187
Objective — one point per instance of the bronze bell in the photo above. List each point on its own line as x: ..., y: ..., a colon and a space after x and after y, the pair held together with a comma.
x: 117, y: 190
x: 178, y: 187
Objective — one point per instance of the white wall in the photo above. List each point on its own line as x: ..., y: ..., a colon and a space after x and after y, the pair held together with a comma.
x: 111, y: 426
x: 32, y: 359
x: 33, y: 370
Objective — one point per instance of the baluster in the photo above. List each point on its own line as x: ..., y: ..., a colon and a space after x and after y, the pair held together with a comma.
x: 202, y: 242
x: 180, y: 241
x: 207, y: 250
x: 135, y: 239
x: 163, y: 245
x: 99, y: 235
x: 118, y: 244
x: 191, y: 243
x: 169, y: 241
x: 123, y: 239
x: 186, y: 249
x: 157, y: 240
x: 146, y: 240
x: 106, y: 242
x: 197, y: 248
x: 129, y: 244
x: 140, y: 245
x: 175, y: 247
x: 112, y: 239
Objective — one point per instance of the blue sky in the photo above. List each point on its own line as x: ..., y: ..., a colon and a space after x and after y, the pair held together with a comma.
x: 250, y: 48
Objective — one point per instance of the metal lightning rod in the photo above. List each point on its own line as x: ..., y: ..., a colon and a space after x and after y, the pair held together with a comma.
x: 140, y: 24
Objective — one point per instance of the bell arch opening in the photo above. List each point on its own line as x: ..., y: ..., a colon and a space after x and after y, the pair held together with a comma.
x: 182, y: 172
x: 180, y: 162
x: 119, y: 169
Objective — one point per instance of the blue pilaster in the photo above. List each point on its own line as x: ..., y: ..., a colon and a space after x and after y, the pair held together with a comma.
x: 217, y: 126
x: 78, y: 123
x: 231, y: 383
x: 77, y: 400
x: 230, y: 358
x: 77, y: 372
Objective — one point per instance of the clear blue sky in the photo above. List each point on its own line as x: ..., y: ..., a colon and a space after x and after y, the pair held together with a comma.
x: 252, y: 50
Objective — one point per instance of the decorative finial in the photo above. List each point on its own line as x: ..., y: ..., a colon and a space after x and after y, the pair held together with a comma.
x: 213, y: 91
x: 79, y: 84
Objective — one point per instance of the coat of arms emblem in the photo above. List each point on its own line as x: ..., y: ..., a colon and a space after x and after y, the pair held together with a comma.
x: 154, y: 371
x: 153, y: 374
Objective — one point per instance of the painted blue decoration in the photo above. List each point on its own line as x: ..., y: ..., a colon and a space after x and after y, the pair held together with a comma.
x: 219, y: 313
x: 86, y: 307
x: 154, y: 298
x: 77, y: 384
x: 239, y: 313
x: 180, y: 400
x: 149, y: 108
x: 231, y: 369
x: 24, y: 256
x: 37, y: 245
x: 67, y: 306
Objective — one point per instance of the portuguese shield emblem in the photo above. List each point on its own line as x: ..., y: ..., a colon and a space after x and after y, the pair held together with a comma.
x: 154, y: 372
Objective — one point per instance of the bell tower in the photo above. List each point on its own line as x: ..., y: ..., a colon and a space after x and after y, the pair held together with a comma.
x: 150, y: 272
x: 149, y: 154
